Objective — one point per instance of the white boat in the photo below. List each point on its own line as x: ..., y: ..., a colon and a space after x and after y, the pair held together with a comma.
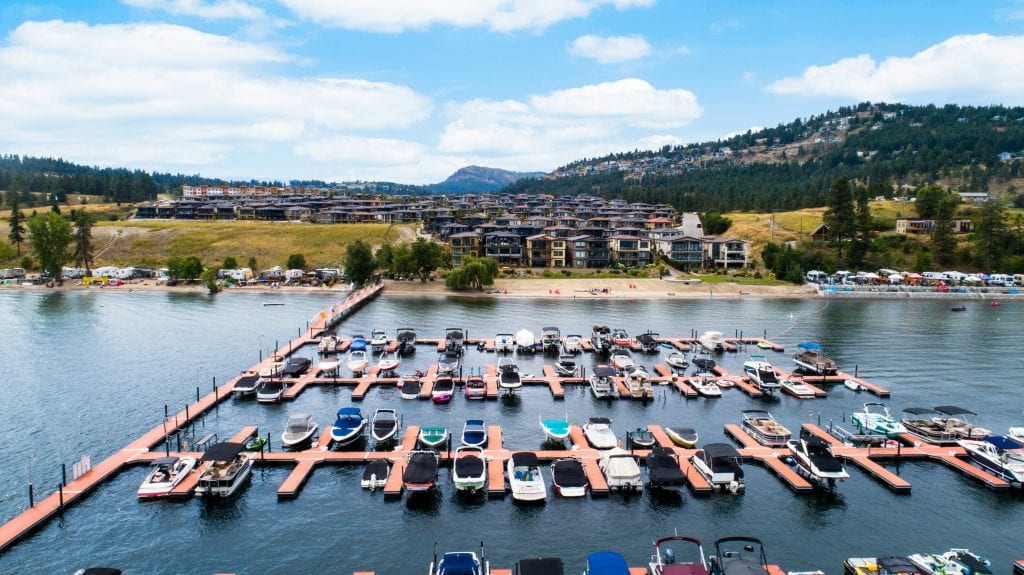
x: 712, y: 341
x: 852, y: 385
x: 796, y: 388
x: 525, y: 478
x: 876, y: 419
x: 328, y: 344
x: 621, y: 470
x: 573, y: 343
x: 270, y: 391
x: 357, y: 361
x: 761, y: 373
x: 667, y: 563
x: 599, y: 433
x: 720, y: 464
x: 567, y: 366
x: 272, y: 370
x: 348, y: 426
x: 384, y: 425
x: 329, y: 366
x: 706, y: 385
x: 764, y: 429
x: 923, y: 423
x: 299, y: 429
x: 814, y: 460
x: 1016, y: 434
x: 433, y: 435
x: 469, y: 470
x: 551, y: 339
x: 525, y: 342
x: 952, y: 562
x: 682, y: 436
x: 677, y: 360
x: 999, y: 455
x: 621, y: 339
x: 504, y: 343
x: 555, y: 429
x: 474, y: 433
x: 246, y: 384
x: 810, y: 359
x: 568, y: 478
x: 411, y: 386
x: 164, y: 474
x: 228, y: 469
x: 389, y: 361
x: 448, y: 362
x: 638, y: 382
x: 602, y: 382
x: 960, y: 422
x: 378, y: 340
x: 622, y: 361
x: 509, y: 377
x: 375, y: 475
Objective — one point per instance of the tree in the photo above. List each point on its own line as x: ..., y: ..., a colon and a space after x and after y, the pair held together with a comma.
x: 839, y: 215
x: 943, y: 242
x: 927, y: 201
x: 862, y: 229
x: 991, y: 234
x: 475, y: 273
x: 252, y: 263
x: 83, y: 241
x: 50, y: 236
x: 296, y: 262
x: 16, y: 221
x: 384, y: 256
x: 427, y: 256
x: 359, y: 262
x: 179, y: 268
x: 714, y: 223
x: 209, y: 279
x: 230, y: 263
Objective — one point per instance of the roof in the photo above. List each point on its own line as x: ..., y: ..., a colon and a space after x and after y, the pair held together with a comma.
x: 952, y: 410
x: 919, y: 410
x: 809, y: 345
x: 606, y: 563
x: 720, y: 450
x: 524, y: 459
x: 1002, y: 442
x: 603, y: 420
x: 222, y: 452
x: 165, y: 461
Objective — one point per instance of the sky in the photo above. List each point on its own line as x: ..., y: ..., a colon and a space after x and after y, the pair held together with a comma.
x: 411, y: 90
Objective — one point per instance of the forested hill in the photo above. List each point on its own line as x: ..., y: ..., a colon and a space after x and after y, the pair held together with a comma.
x: 791, y: 166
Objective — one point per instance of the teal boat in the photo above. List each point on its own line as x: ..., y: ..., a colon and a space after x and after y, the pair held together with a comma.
x: 555, y: 429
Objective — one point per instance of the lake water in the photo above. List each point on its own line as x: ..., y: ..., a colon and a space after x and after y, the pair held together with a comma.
x: 89, y: 372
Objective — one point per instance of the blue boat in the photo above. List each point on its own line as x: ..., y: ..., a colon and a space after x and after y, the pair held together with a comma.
x: 357, y: 344
x: 474, y: 433
x: 348, y: 427
x: 606, y: 563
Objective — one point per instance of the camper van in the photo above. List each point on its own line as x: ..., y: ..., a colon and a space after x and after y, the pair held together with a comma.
x: 1004, y: 280
x: 817, y: 277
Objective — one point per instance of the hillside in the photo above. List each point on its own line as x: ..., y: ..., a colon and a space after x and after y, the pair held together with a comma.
x: 480, y: 179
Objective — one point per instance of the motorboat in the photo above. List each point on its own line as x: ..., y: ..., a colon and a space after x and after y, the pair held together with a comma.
x: 731, y: 558
x: 406, y: 340
x: 246, y: 384
x: 958, y: 308
x: 357, y: 361
x: 410, y: 386
x: 348, y: 426
x: 641, y: 438
x: 550, y: 339
x: 300, y: 429
x: 888, y: 565
x: 384, y: 425
x: 460, y: 563
x: 703, y: 361
x: 663, y: 470
x: 433, y: 436
x: 1016, y: 434
x: 540, y: 566
x: 852, y: 385
x: 509, y: 378
x: 525, y: 478
x: 648, y: 342
x: 443, y: 390
x: 555, y: 429
x: 474, y: 433
x: 926, y: 424
x: 621, y: 471
x: 567, y: 366
x: 721, y: 465
x: 469, y: 472
x: 388, y: 362
x: 420, y: 473
x: 761, y: 373
x: 606, y: 563
x: 164, y: 474
x: 877, y: 420
x: 378, y: 341
x: 568, y: 478
x: 952, y: 562
x: 601, y: 339
x: 723, y: 383
x: 602, y: 382
x: 328, y: 344
x: 621, y: 339
x: 622, y: 360
x: 272, y: 370
x: 677, y: 360
x: 960, y: 422
x: 328, y: 365
x: 682, y: 436
x: 706, y: 385
x: 599, y: 433
x: 475, y: 387
x: 228, y: 468
x: 454, y: 339
x: 814, y: 460
x: 811, y: 359
x: 358, y: 343
x: 572, y: 344
x: 665, y: 562
x: 796, y: 388
x: 375, y: 474
x: 764, y: 429
x: 712, y: 341
x: 999, y: 455
x: 504, y: 343
x: 448, y: 362
x: 638, y: 382
x: 270, y: 391
x: 525, y: 342
x: 295, y: 366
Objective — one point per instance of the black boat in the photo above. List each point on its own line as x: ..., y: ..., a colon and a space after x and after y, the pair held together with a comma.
x: 704, y: 361
x: 454, y: 340
x: 663, y: 468
x: 729, y: 559
x: 540, y: 566
x: 719, y: 463
x: 421, y: 471
x: 295, y: 366
x: 601, y: 339
x: 375, y: 476
x: 648, y: 342
x: 406, y: 339
x: 568, y: 477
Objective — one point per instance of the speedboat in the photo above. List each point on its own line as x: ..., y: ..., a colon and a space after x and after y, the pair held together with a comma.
x: 746, y: 560
x: 357, y: 361
x: 712, y: 341
x: 567, y: 366
x: 720, y: 464
x: 270, y: 391
x: 602, y: 382
x: 550, y: 339
x: 448, y: 362
x: 621, y: 471
x: 420, y: 472
x: 638, y: 382
x: 504, y: 343
x: 706, y: 385
x: 476, y: 387
x: 682, y: 436
x: 474, y: 433
x: 246, y: 384
x: 509, y: 378
x: 348, y: 426
x: 677, y: 360
x: 876, y: 419
x: 328, y: 365
x: 164, y: 474
x: 764, y: 429
x: 229, y: 467
x: 406, y: 339
x: 358, y: 343
x: 599, y: 433
x: 568, y: 478
x: 640, y: 437
x: 328, y: 344
x: 454, y: 339
x: 299, y: 429
x: 621, y: 339
x: 960, y: 422
x: 442, y: 391
x: 469, y: 473
x: 525, y: 342
x: 761, y: 373
x: 601, y: 339
x: 375, y: 475
x: 814, y: 460
x: 999, y: 455
x: 888, y: 565
x: 540, y: 566
x: 663, y: 468
x: 378, y: 340
x: 572, y: 343
x: 1016, y: 434
x: 704, y: 361
x: 952, y: 562
x: 606, y: 563
x: 648, y: 342
x: 433, y: 436
x: 810, y: 359
x: 384, y: 425
x: 295, y: 366
x: 411, y: 386
x: 525, y: 478
x: 796, y: 388
x: 389, y: 361
x: 622, y: 361
x: 460, y: 563
x: 555, y: 429
x: 665, y: 562
x: 922, y: 422
x: 272, y: 370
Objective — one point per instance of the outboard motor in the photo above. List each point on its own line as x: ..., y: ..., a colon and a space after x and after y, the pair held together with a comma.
x: 669, y: 557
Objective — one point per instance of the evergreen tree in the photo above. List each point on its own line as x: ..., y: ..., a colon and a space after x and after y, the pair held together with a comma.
x: 839, y: 215
x: 862, y: 230
x: 296, y: 262
x: 16, y: 221
x: 83, y: 240
x: 359, y: 262
x: 943, y: 242
x: 990, y: 235
x: 50, y: 236
x: 230, y: 263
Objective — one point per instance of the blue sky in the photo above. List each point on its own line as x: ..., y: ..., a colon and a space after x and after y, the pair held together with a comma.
x: 410, y: 90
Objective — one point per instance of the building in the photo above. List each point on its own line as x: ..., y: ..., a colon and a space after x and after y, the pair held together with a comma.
x: 925, y: 226
x: 727, y: 253
x: 463, y: 245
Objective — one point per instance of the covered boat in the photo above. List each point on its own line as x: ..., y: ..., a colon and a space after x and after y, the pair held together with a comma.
x: 720, y: 465
x: 384, y: 425
x: 299, y: 429
x: 420, y: 472
x: 811, y: 359
x: 348, y: 426
x: 469, y: 472
x: 509, y: 377
x: 328, y: 344
x: 504, y: 343
x: 599, y: 433
x: 638, y: 382
x: 663, y: 468
x: 665, y: 561
x: 525, y: 342
x: 448, y: 362
x: 568, y: 477
x: 474, y: 433
x: 540, y: 566
x: 525, y: 478
x: 375, y: 474
x: 602, y: 382
x: 606, y: 563
x: 406, y: 340
x: 295, y: 366
x: 272, y: 370
x: 228, y: 467
x: 682, y: 436
x: 814, y: 460
x: 704, y: 361
x: 555, y: 429
x: 888, y: 565
x: 164, y: 474
x: 622, y: 360
x: 550, y: 339
x: 621, y: 471
x: 764, y: 429
x: 739, y: 555
x: 876, y: 419
x: 433, y: 435
x: 601, y: 339
x: 246, y: 384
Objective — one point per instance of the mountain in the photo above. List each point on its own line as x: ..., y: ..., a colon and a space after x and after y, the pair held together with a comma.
x: 480, y: 179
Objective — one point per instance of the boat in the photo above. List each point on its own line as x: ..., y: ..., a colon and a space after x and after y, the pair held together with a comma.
x: 638, y: 382
x: 474, y: 433
x: 568, y: 478
x: 665, y: 562
x: 888, y: 565
x: 246, y: 384
x: 852, y: 385
x: 525, y: 478
x: 712, y: 341
x: 384, y: 425
x: 677, y: 360
x: 406, y: 340
x: 433, y: 436
x: 270, y: 391
x: 411, y: 386
x: 640, y: 437
x: 378, y: 341
x: 164, y: 474
x: 357, y: 361
x: 621, y: 471
x: 460, y: 563
x: 952, y: 562
x: 555, y: 429
x: 299, y: 429
x: 328, y: 344
x: 815, y: 462
x: 272, y: 370
x: 621, y: 339
x: 999, y: 455
x: 764, y: 429
x: 572, y: 344
x: 348, y: 426
x: 525, y: 342
x: 663, y: 470
x: 621, y: 360
x: 1016, y: 434
x: 254, y: 443
x: 648, y: 342
x: 420, y: 473
x: 811, y: 359
x: 599, y: 433
x: 682, y: 436
x: 958, y: 308
x: 796, y: 388
x: 761, y: 373
x: 748, y: 559
x: 922, y: 422
x: 442, y: 391
x: 504, y: 343
x: 606, y: 563
x: 509, y: 378
x: 454, y: 340
x: 448, y: 362
x: 764, y: 344
x: 601, y: 339
x: 720, y: 464
x: 567, y: 366
x: 703, y: 361
x: 960, y: 422
x: 295, y: 366
x: 602, y: 382
x: 388, y: 362
x: 706, y: 385
x: 102, y: 570
x: 475, y: 387
x: 358, y: 343
x: 723, y: 383
x: 228, y: 468
x: 328, y: 365
x: 550, y: 339
x: 876, y: 419
x: 469, y: 473
x: 540, y: 566
x: 375, y: 475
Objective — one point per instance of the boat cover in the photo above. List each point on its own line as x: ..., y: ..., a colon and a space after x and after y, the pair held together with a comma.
x: 606, y: 563
x: 444, y: 384
x: 818, y: 452
x: 620, y: 464
x: 102, y: 571
x: 972, y: 562
x: 296, y: 365
x: 357, y: 344
x: 524, y: 459
x: 919, y: 410
x: 604, y: 371
x: 345, y: 411
x: 603, y: 420
x: 411, y: 386
x: 952, y: 410
x: 739, y: 565
x: 809, y: 346
x: 720, y: 450
x: 165, y: 461
x: 378, y: 467
x: 663, y: 468
x: 222, y: 452
x: 545, y: 566
x: 892, y: 565
x: 422, y: 468
x: 469, y: 466
x: 246, y: 381
x: 384, y: 426
x: 569, y: 473
x: 1002, y: 442
x: 458, y: 564
x: 556, y: 426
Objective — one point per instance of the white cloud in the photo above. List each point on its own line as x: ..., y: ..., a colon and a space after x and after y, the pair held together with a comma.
x: 631, y: 101
x: 658, y: 141
x: 610, y: 49
x: 399, y: 15
x: 360, y: 150
x: 752, y: 130
x: 976, y: 68
x: 213, y: 9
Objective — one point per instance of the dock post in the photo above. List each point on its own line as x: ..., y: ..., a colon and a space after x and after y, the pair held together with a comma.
x: 187, y: 418
x: 197, y: 394
x: 60, y: 496
x: 215, y: 394
x: 270, y: 448
x: 31, y: 495
x: 64, y: 473
x: 856, y: 369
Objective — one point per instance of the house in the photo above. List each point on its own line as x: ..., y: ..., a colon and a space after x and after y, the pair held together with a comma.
x: 727, y: 252
x: 505, y: 247
x: 463, y: 245
x: 631, y: 251
x: 820, y: 233
x: 545, y: 251
x: 925, y: 226
x: 686, y: 250
x: 974, y: 197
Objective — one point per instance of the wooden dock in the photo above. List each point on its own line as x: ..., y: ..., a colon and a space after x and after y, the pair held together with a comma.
x: 496, y: 476
x: 1018, y: 567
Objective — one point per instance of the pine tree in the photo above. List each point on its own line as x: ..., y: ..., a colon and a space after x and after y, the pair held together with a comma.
x: 943, y: 242
x: 83, y: 241
x: 839, y: 215
x: 17, y: 223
